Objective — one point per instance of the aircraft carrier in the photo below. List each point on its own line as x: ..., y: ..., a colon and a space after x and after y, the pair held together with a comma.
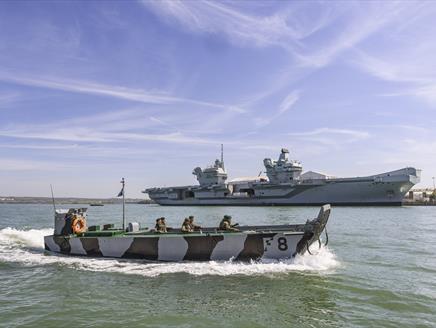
x: 285, y: 184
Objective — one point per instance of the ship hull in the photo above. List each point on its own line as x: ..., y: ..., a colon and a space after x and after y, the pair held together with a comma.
x: 242, y: 204
x: 209, y: 244
x: 222, y: 247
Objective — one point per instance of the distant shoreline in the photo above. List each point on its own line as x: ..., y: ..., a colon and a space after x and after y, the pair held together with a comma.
x: 70, y: 200
x: 419, y: 203
x: 108, y: 201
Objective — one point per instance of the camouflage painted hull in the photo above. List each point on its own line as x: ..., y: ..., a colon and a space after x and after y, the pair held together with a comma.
x: 220, y: 246
x: 250, y: 243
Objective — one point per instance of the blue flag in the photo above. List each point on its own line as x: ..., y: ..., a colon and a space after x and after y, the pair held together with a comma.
x: 121, y: 193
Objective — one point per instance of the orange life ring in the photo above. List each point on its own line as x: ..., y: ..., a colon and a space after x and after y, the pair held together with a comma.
x: 78, y: 225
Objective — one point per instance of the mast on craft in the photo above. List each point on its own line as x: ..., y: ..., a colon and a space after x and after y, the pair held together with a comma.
x: 122, y: 193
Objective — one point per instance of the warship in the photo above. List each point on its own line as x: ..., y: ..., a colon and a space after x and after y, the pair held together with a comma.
x: 72, y: 237
x: 286, y: 184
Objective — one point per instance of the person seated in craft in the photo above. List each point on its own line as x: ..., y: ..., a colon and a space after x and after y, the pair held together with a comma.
x: 186, y: 226
x: 194, y: 226
x: 226, y: 224
x: 161, y: 226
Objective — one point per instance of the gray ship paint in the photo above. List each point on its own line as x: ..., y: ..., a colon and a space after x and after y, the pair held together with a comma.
x: 286, y: 185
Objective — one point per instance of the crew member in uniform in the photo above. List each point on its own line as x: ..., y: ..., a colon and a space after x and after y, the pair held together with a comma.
x: 226, y: 224
x: 194, y: 226
x: 161, y: 226
x: 186, y: 226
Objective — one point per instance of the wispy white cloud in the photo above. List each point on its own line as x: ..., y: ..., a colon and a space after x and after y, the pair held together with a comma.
x: 393, y: 69
x: 239, y: 26
x: 323, y: 131
x: 40, y: 146
x: 362, y: 20
x: 399, y: 127
x: 137, y: 95
x: 286, y: 104
x: 61, y: 149
x: 120, y: 120
x: 289, y: 101
x: 417, y: 151
x: 82, y: 135
x: 271, y: 148
x: 407, y: 62
x: 8, y: 98
x: 426, y: 93
x: 90, y: 135
x: 108, y: 127
x: 157, y: 120
x: 330, y: 136
x: 288, y: 27
x: 12, y: 164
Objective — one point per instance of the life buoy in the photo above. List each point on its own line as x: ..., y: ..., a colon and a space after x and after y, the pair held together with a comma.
x: 78, y: 225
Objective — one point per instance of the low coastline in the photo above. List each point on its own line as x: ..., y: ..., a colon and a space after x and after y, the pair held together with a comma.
x: 419, y: 203
x: 107, y: 201
x: 70, y: 200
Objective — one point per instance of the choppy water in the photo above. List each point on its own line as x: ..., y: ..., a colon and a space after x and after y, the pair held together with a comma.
x: 379, y: 270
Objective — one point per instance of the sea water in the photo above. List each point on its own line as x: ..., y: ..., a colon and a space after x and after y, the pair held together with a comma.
x: 378, y: 270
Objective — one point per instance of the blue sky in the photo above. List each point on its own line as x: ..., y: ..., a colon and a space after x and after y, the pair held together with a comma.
x: 147, y: 90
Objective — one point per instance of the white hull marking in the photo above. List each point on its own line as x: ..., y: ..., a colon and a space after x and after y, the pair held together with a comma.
x: 51, y: 244
x: 114, y: 247
x: 76, y: 246
x: 172, y: 248
x: 229, y: 247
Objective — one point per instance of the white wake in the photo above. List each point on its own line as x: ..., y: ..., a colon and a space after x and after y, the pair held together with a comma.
x: 27, y: 248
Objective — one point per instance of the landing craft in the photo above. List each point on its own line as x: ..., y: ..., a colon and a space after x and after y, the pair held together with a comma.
x: 72, y: 237
x: 285, y: 184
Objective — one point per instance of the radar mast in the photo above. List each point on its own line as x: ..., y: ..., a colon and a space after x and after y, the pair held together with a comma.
x: 222, y: 156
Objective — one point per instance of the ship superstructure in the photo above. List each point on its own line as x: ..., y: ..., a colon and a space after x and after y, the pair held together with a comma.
x: 285, y: 184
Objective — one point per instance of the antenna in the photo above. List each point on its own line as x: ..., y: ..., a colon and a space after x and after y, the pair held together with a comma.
x: 222, y: 155
x: 52, y: 197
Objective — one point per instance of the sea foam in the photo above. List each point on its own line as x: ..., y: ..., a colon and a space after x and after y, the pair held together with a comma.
x: 27, y: 248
